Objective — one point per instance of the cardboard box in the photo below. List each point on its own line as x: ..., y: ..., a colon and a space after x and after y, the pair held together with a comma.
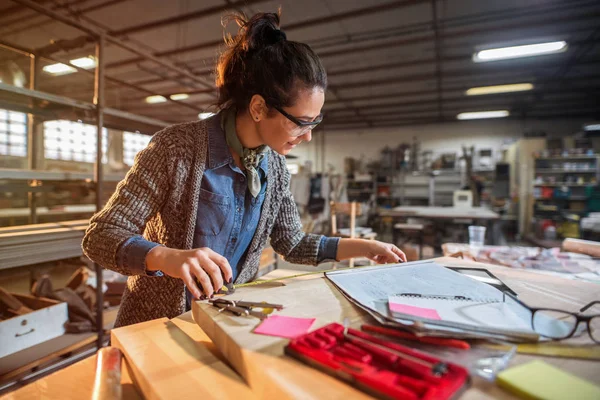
x: 23, y: 331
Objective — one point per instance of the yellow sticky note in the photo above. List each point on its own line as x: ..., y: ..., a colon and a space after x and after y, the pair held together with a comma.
x: 538, y: 380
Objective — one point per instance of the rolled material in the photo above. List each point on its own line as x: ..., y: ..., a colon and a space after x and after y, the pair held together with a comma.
x: 582, y: 246
x: 107, y: 384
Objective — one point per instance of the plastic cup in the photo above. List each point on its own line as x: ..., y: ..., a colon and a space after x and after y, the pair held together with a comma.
x: 476, y: 238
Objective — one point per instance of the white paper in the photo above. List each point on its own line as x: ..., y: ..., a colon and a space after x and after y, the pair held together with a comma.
x: 371, y: 287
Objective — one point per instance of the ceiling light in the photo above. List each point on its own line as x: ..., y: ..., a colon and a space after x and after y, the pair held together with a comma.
x: 483, y: 114
x: 179, y: 96
x: 155, y: 99
x: 528, y: 50
x: 592, y: 127
x: 515, y: 87
x: 59, y: 69
x: 204, y: 115
x: 85, y: 62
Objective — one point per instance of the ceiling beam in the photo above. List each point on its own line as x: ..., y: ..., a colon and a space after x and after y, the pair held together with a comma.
x: 109, y: 38
x: 303, y: 24
x: 466, y: 99
x: 178, y: 19
x: 463, y: 33
x: 455, y: 73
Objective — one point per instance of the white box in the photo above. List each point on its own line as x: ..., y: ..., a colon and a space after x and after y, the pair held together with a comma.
x: 23, y: 331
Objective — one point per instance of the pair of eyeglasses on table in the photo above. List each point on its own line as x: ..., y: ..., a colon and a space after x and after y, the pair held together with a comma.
x: 560, y: 324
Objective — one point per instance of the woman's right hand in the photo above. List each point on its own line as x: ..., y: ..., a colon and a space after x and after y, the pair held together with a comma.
x: 208, y: 267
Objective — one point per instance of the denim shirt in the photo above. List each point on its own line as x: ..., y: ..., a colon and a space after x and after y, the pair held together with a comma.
x: 227, y: 215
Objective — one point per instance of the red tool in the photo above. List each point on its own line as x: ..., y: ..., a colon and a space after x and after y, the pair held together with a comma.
x: 377, y: 366
x: 459, y: 344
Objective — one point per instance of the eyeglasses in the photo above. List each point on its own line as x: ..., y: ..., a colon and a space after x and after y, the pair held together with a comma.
x: 560, y: 324
x: 302, y: 127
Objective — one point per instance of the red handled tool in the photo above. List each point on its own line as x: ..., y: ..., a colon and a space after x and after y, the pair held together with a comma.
x: 459, y: 344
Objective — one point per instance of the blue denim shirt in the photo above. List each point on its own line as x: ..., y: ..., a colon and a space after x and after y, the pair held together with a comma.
x: 227, y: 213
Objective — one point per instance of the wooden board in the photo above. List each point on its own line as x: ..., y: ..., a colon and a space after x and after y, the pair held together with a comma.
x: 166, y: 363
x: 260, y: 359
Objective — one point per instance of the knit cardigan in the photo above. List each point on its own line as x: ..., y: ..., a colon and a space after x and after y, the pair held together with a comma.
x: 158, y: 199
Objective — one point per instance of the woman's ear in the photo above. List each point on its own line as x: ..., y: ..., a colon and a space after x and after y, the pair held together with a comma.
x: 257, y: 108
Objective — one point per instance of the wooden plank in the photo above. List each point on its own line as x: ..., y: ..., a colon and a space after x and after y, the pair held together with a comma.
x: 166, y: 363
x: 260, y: 359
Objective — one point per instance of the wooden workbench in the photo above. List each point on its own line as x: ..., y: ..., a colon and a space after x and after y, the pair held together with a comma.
x: 225, y: 343
x: 261, y: 362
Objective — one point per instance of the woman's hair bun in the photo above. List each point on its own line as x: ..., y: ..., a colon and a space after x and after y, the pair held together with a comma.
x: 260, y: 60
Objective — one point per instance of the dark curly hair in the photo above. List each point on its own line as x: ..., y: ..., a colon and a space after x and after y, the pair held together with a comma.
x: 260, y: 60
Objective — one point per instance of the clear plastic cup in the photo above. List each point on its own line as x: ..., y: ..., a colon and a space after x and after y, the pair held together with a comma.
x: 476, y: 238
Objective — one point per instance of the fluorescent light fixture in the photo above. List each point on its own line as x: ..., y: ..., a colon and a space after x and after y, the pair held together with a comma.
x: 179, y: 96
x: 528, y: 50
x: 59, y: 69
x: 483, y: 114
x: 515, y: 87
x: 205, y: 115
x: 592, y: 127
x: 155, y: 99
x: 85, y: 62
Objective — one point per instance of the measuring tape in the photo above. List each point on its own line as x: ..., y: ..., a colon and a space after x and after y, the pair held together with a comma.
x: 261, y: 282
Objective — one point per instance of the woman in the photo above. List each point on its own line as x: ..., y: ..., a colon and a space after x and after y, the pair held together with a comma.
x: 202, y: 199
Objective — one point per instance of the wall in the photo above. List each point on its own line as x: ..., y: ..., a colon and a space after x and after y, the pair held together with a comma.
x: 440, y: 138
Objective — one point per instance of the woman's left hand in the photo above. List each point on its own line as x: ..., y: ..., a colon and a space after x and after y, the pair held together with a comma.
x: 383, y: 253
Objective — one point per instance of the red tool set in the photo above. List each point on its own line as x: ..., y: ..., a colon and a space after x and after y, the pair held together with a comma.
x: 377, y: 366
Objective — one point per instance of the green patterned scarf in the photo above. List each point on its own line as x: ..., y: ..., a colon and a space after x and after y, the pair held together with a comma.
x: 250, y: 157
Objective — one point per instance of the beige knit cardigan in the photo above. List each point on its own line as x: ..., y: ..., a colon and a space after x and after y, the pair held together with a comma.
x: 159, y: 200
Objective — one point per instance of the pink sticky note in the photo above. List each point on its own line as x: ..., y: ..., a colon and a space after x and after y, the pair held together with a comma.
x: 428, y: 313
x: 282, y: 326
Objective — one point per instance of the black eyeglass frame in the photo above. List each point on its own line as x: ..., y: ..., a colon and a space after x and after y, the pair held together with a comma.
x: 579, y: 318
x: 300, y: 122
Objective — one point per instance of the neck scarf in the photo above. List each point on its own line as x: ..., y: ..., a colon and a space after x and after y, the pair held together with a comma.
x: 250, y: 158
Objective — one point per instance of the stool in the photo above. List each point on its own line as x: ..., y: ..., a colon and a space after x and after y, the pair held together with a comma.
x: 410, y: 228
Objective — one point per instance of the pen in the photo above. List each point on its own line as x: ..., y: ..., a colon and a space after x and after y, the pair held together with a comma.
x: 459, y: 344
x: 439, y: 296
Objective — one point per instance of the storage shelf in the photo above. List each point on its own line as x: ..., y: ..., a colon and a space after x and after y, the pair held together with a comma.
x: 565, y: 184
x: 592, y: 157
x: 29, y: 174
x: 20, y: 99
x: 63, y: 210
x: 565, y: 171
x: 563, y: 198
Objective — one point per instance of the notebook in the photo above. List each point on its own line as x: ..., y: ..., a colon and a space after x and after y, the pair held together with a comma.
x: 486, y: 313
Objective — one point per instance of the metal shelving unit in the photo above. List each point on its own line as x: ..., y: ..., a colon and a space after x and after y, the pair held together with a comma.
x: 432, y: 187
x: 570, y: 172
x: 44, y: 106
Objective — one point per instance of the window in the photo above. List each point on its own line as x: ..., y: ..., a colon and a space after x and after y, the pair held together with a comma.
x: 72, y: 141
x: 132, y: 144
x: 13, y: 133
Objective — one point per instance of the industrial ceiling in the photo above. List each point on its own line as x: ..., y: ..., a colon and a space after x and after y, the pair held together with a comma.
x: 390, y: 63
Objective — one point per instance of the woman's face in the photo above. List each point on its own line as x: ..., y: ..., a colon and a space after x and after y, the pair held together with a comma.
x: 280, y: 133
